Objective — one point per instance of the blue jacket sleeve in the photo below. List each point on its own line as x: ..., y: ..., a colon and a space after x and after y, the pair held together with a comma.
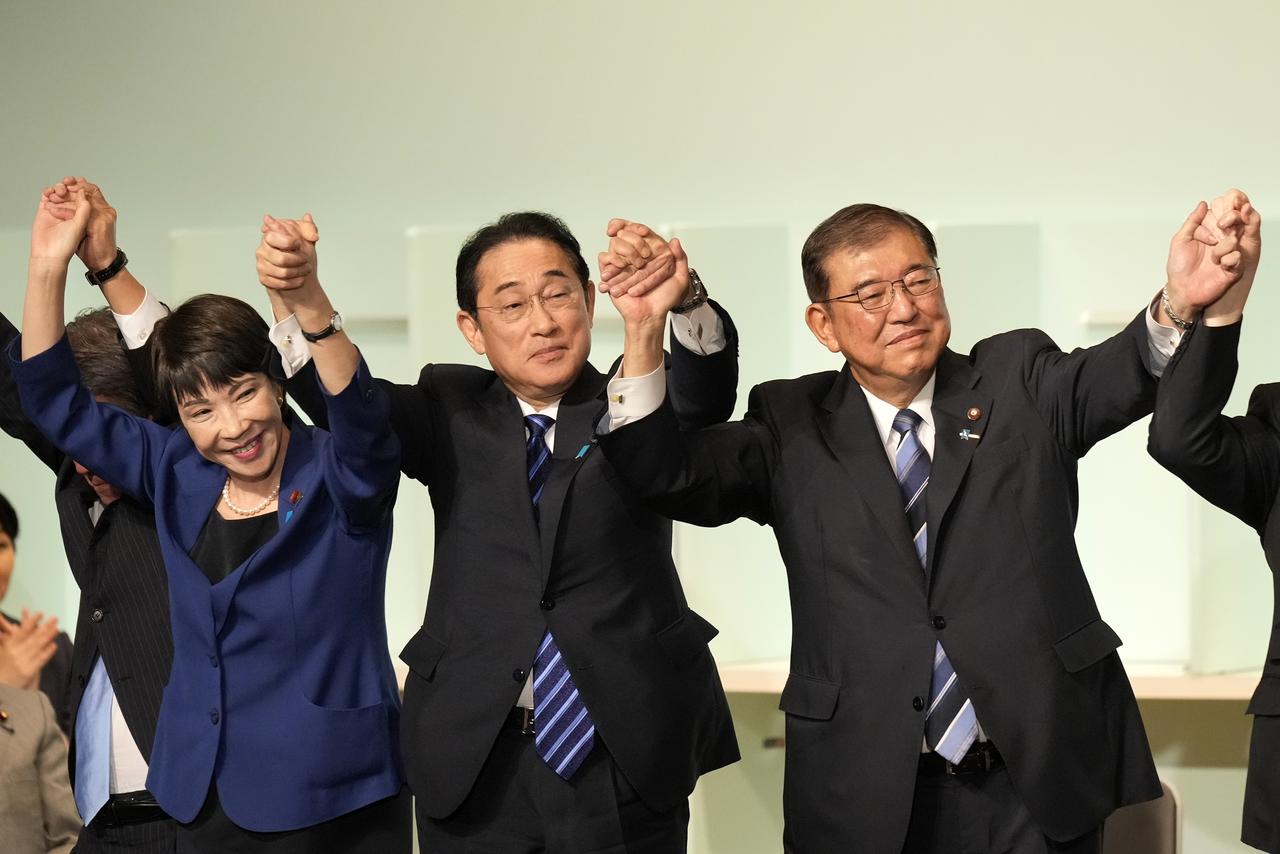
x: 121, y: 448
x: 362, y: 458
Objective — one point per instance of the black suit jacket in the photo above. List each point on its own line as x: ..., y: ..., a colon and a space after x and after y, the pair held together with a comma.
x: 1003, y: 588
x: 124, y: 599
x: 595, y: 568
x: 1235, y: 464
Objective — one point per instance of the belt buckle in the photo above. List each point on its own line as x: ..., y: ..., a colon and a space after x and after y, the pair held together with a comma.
x: 984, y: 763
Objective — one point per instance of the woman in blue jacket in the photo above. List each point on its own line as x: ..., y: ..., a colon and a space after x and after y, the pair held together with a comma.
x: 278, y: 727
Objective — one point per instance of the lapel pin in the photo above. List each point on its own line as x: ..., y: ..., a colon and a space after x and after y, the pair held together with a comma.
x: 968, y: 434
x: 974, y: 413
x: 582, y: 452
x: 295, y: 496
x: 4, y: 721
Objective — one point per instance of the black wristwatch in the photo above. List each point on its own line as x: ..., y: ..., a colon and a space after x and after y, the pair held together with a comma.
x: 108, y: 272
x: 335, y: 325
x: 699, y: 294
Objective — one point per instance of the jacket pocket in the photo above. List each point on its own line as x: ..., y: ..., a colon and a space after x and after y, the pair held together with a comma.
x: 809, y: 697
x: 1266, y: 697
x: 1087, y: 645
x: 686, y: 637
x: 422, y: 653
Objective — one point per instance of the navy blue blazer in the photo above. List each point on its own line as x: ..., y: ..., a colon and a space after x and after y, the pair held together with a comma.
x: 282, y: 690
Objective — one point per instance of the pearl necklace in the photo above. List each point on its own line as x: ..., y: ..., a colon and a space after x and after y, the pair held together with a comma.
x: 252, y: 511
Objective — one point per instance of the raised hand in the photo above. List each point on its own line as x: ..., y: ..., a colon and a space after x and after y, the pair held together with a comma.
x: 1205, y: 259
x: 60, y: 223
x: 648, y: 306
x: 25, y: 648
x: 637, y: 260
x: 1233, y: 210
x: 287, y: 254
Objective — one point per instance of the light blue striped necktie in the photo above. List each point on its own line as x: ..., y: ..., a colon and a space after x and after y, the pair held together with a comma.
x: 93, y: 744
x: 565, y: 732
x: 950, y: 724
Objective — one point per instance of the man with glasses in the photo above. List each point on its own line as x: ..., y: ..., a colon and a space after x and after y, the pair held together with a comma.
x: 953, y: 687
x: 561, y: 696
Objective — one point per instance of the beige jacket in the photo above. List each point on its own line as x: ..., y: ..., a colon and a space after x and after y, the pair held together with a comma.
x: 37, y: 812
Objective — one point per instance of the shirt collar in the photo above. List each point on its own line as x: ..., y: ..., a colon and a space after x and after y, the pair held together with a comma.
x: 528, y: 409
x: 883, y: 412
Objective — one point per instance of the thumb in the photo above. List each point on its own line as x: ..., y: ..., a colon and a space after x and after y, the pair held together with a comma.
x: 307, y: 226
x: 1187, y: 232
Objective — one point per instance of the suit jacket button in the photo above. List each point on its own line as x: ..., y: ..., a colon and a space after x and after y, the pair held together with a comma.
x: 518, y: 675
x: 917, y: 703
x: 939, y: 623
x: 97, y: 615
x: 213, y: 662
x: 547, y: 604
x: 214, y: 716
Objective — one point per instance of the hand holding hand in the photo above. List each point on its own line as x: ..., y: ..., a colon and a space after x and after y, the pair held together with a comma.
x: 287, y: 254
x: 1208, y: 254
x: 649, y: 305
x: 637, y: 260
x: 25, y: 648
x: 60, y: 223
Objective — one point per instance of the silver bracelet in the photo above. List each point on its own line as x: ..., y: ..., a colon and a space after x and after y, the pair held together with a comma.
x: 1184, y: 325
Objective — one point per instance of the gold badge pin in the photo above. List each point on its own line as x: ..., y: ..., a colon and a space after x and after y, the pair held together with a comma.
x: 974, y: 413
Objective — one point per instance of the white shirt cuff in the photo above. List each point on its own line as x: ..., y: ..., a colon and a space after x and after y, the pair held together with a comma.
x: 136, y: 328
x: 294, y: 352
x: 632, y: 398
x: 700, y: 331
x: 1162, y: 340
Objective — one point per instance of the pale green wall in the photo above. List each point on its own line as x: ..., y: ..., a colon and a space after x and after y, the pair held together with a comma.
x: 1054, y: 149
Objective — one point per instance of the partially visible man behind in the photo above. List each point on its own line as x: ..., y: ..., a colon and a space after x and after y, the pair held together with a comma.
x: 953, y: 687
x: 124, y: 647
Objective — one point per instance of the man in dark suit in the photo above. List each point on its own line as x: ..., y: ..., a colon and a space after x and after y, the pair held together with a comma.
x: 124, y: 647
x: 953, y: 687
x: 561, y: 696
x: 1235, y: 464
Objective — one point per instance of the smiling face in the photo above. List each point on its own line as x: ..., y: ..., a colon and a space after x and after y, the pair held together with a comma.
x: 539, y: 356
x: 893, y: 352
x: 239, y: 427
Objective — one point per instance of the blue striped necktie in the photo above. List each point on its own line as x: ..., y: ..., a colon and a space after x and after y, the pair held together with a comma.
x: 950, y: 724
x: 565, y: 732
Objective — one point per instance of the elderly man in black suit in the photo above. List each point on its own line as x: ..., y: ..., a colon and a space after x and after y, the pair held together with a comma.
x: 561, y: 696
x: 1235, y: 464
x: 953, y: 687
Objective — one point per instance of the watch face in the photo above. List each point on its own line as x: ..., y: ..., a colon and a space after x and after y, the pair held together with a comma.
x: 336, y: 322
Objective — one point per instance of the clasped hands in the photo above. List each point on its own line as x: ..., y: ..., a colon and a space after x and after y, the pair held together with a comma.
x: 1213, y: 259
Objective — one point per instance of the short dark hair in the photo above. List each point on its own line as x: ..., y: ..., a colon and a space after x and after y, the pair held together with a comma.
x: 8, y: 519
x: 208, y: 341
x: 511, y: 228
x: 104, y: 367
x: 854, y: 227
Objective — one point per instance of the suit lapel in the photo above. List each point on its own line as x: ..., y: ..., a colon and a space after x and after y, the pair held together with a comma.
x: 500, y: 439
x: 957, y: 407
x: 850, y: 432
x: 575, y: 426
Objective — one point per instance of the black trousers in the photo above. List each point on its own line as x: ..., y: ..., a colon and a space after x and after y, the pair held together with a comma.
x: 520, y: 806
x: 151, y: 837
x: 980, y: 814
x: 382, y: 827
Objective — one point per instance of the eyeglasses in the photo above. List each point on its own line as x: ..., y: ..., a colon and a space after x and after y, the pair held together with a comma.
x: 517, y: 307
x: 877, y: 296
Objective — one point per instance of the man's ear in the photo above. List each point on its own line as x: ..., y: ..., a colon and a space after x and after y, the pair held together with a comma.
x: 819, y: 322
x: 589, y: 291
x: 469, y: 326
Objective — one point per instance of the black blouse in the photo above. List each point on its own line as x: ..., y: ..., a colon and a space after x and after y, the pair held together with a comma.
x: 224, y: 544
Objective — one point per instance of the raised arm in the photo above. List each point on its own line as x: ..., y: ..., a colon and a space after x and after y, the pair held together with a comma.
x: 119, y: 447
x: 12, y: 419
x: 364, y: 465
x: 1091, y: 393
x: 1232, y: 462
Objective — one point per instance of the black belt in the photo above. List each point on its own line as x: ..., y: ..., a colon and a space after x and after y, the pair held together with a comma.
x: 981, y: 758
x: 521, y: 720
x: 129, y: 808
